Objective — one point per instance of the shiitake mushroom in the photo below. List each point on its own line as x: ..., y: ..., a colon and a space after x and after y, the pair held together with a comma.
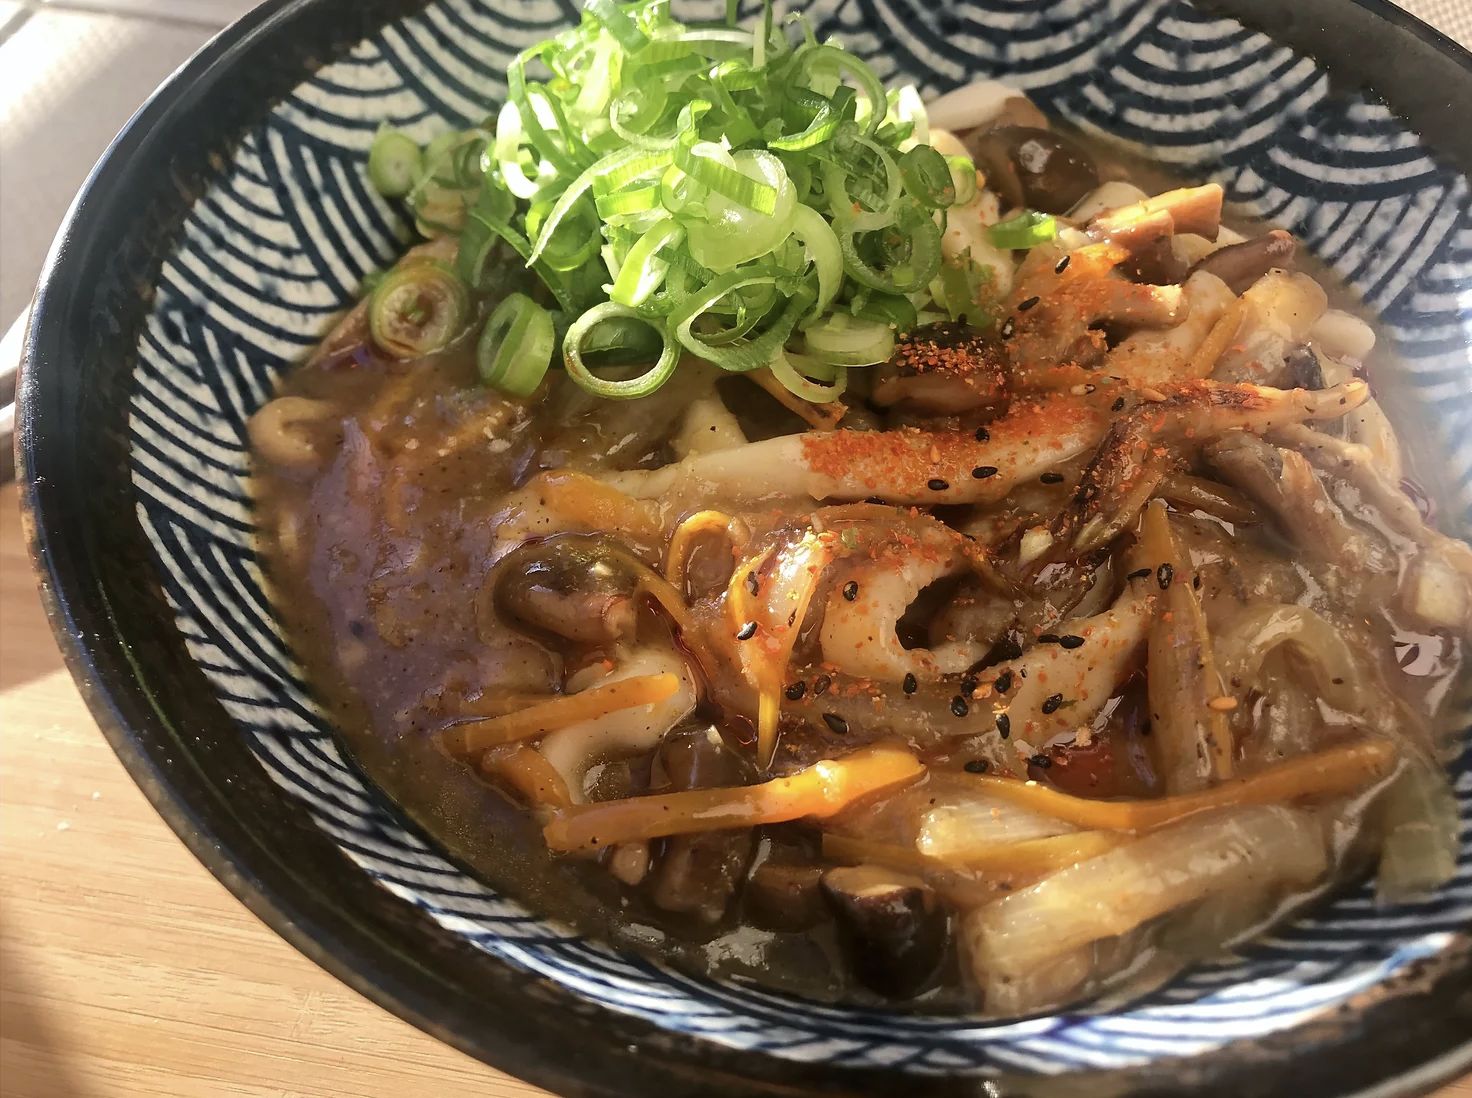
x: 1040, y: 169
x: 1240, y: 265
x: 568, y: 588
x: 893, y: 926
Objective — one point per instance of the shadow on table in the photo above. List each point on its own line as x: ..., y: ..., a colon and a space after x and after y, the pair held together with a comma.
x: 33, y: 1061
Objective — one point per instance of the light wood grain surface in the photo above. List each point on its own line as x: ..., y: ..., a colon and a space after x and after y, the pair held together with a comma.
x: 125, y: 968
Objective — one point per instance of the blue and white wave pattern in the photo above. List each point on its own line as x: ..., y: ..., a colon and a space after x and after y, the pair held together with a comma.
x: 279, y: 246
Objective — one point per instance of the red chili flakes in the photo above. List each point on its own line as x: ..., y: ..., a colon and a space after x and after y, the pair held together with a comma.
x: 951, y: 349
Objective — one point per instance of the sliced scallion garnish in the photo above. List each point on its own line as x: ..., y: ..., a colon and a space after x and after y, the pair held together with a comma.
x: 516, y: 346
x: 618, y: 389
x: 418, y: 309
x: 1027, y: 230
x: 747, y: 197
x: 394, y: 162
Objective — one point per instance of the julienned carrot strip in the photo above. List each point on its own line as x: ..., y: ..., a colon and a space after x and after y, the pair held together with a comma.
x: 1334, y: 772
x: 549, y: 716
x: 595, y: 505
x: 526, y: 771
x: 820, y: 791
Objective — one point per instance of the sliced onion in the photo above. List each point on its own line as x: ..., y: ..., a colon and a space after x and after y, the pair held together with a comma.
x: 952, y: 831
x: 1205, y: 855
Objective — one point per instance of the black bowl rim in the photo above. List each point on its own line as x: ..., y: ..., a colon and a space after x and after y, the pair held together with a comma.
x: 356, y: 957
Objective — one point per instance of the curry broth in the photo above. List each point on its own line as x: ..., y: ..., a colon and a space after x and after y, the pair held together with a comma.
x: 378, y: 558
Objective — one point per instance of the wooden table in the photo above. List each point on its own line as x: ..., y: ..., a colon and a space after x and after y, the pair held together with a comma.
x: 125, y: 968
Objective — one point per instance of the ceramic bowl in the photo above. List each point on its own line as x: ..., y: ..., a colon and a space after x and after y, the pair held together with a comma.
x: 231, y: 220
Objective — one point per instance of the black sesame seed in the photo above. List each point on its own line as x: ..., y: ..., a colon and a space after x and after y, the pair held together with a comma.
x: 935, y: 484
x: 959, y: 706
x: 983, y: 435
x: 1071, y: 640
x: 1061, y: 265
x: 752, y: 585
x: 976, y: 766
x: 821, y: 685
x: 1196, y: 581
x: 1051, y: 478
x: 1004, y: 725
x: 836, y: 723
x: 981, y: 472
x: 1052, y: 703
x: 969, y: 684
x: 1048, y: 638
x: 1118, y: 405
x: 1008, y: 649
x: 796, y: 690
x: 1004, y: 682
x: 1023, y: 306
x: 1337, y: 682
x: 1138, y: 574
x: 1008, y: 327
x: 1042, y: 762
x: 1164, y: 575
x: 746, y: 632
x: 851, y: 590
x: 910, y: 684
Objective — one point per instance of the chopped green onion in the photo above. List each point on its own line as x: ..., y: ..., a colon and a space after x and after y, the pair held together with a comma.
x: 1027, y: 230
x: 731, y: 233
x: 843, y: 340
x: 784, y: 370
x: 966, y: 291
x: 737, y: 195
x: 911, y: 249
x: 897, y: 312
x: 418, y: 309
x: 963, y: 178
x: 643, y: 268
x: 927, y: 177
x: 516, y: 345
x: 620, y: 340
x: 710, y: 165
x: 836, y: 62
x: 747, y: 354
x: 394, y: 162
x: 624, y: 30
x: 823, y: 252
x: 630, y: 200
x: 906, y: 110
x: 626, y: 389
